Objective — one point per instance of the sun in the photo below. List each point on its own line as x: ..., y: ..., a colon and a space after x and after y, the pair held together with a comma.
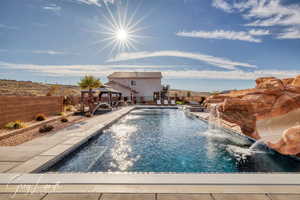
x: 119, y: 31
x: 122, y: 35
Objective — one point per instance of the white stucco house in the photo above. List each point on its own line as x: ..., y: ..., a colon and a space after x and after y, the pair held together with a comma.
x: 139, y: 86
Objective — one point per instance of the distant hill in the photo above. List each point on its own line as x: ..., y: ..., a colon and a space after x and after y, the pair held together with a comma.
x: 184, y: 93
x: 29, y: 88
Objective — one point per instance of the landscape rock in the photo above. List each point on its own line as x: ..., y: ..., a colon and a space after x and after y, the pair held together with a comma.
x: 287, y: 81
x: 289, y: 144
x: 296, y: 82
x: 269, y: 83
x: 240, y: 112
x: 270, y: 98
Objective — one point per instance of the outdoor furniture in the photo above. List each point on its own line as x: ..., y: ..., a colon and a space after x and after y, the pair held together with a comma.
x: 166, y: 102
x: 158, y: 102
x: 93, y: 99
x: 196, y: 108
x: 173, y: 102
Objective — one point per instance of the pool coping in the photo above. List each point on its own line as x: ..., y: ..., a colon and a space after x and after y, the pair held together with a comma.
x: 149, y: 183
x: 135, y: 182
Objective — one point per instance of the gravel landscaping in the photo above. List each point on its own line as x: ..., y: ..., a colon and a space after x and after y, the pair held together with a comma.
x: 34, y: 133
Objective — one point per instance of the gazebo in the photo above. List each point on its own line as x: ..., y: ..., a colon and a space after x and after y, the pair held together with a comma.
x: 110, y: 92
x: 93, y: 101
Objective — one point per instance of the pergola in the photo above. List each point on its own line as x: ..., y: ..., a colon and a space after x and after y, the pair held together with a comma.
x: 86, y: 99
x: 110, y: 91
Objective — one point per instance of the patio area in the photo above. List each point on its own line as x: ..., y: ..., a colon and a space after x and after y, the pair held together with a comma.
x: 153, y: 196
x: 33, y: 155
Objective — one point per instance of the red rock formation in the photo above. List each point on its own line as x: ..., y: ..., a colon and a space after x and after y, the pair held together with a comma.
x: 270, y: 98
x: 269, y: 83
x: 296, y: 82
x: 289, y: 144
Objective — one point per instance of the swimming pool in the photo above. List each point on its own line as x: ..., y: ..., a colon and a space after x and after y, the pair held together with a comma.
x: 169, y: 140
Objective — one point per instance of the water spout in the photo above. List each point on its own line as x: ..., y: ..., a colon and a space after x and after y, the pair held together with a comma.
x: 262, y: 143
x: 214, y: 121
x: 257, y: 144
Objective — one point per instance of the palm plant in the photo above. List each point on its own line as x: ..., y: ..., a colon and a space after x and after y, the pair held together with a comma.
x: 90, y: 82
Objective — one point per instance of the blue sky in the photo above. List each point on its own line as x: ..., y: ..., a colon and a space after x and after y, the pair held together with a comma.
x: 201, y: 45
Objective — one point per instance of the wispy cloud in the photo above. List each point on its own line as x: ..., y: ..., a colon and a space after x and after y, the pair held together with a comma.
x: 221, y: 34
x: 4, y: 26
x: 91, y: 2
x: 109, y: 1
x: 79, y: 70
x: 52, y: 7
x: 259, y: 32
x: 98, y: 3
x: 48, y: 52
x: 290, y: 33
x: 230, y: 75
x: 266, y: 13
x: 168, y: 71
x: 222, y: 5
x: 212, y: 60
x: 51, y: 52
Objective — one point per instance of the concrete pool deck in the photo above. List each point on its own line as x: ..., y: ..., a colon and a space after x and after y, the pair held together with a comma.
x: 39, y: 153
x: 18, y: 164
x: 150, y: 183
x: 153, y: 196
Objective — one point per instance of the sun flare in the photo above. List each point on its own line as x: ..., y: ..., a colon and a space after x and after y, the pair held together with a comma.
x: 119, y: 31
x: 122, y: 35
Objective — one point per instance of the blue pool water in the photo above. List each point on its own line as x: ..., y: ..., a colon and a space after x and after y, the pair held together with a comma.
x: 168, y: 140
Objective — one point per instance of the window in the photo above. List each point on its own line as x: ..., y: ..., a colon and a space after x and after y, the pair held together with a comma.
x: 133, y: 83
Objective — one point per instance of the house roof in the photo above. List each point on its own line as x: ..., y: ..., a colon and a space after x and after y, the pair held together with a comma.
x: 102, y: 89
x: 121, y: 85
x: 135, y: 75
x: 108, y: 89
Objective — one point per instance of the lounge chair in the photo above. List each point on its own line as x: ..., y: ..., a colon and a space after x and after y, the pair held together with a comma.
x: 166, y: 102
x: 158, y: 102
x: 173, y: 102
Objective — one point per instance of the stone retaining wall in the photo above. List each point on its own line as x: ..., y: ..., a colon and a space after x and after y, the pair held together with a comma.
x: 25, y: 108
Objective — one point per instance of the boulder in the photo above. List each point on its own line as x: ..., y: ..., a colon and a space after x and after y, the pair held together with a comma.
x: 293, y: 89
x: 271, y: 98
x: 296, y: 82
x: 289, y: 144
x: 269, y: 83
x: 261, y: 103
x: 216, y: 99
x: 282, y: 105
x: 287, y: 81
x: 240, y: 112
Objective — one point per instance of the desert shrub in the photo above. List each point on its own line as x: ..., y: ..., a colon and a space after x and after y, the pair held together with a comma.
x: 64, y: 119
x: 62, y: 113
x: 40, y: 117
x: 46, y: 128
x: 69, y: 108
x: 10, y: 125
x: 15, y: 125
x: 179, y: 102
x: 19, y: 124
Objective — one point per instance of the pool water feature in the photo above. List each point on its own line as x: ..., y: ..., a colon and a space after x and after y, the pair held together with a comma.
x: 169, y: 140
